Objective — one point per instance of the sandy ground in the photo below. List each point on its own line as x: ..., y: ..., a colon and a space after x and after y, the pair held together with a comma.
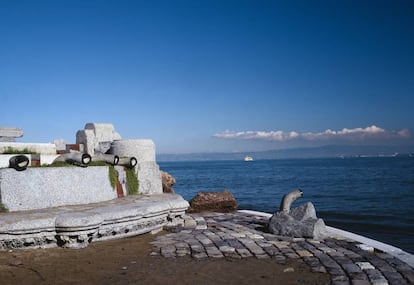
x: 128, y: 261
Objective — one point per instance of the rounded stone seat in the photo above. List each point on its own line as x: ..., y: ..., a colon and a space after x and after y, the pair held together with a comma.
x: 78, y: 221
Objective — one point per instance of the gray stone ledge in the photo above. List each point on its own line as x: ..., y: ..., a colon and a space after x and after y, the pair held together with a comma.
x: 77, y: 226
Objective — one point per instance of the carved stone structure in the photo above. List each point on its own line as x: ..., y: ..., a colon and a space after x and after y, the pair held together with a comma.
x: 73, y: 206
x: 77, y: 226
x: 97, y: 138
x: 298, y: 222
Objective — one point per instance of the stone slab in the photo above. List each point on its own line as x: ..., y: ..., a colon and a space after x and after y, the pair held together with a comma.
x: 38, y: 188
x: 9, y: 134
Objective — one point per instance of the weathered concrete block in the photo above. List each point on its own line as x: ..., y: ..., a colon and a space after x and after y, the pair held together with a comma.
x: 37, y: 188
x: 97, y: 137
x: 149, y: 177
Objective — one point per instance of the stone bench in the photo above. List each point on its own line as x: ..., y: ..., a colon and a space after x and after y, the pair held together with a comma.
x: 77, y: 226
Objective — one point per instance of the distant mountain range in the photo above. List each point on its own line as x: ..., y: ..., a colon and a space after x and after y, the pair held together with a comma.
x: 310, y: 152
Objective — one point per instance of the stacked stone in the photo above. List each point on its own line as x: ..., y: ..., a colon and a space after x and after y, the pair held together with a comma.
x: 10, y: 134
x: 237, y: 235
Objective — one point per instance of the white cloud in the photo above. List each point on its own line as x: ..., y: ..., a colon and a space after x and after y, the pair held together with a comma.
x: 372, y: 132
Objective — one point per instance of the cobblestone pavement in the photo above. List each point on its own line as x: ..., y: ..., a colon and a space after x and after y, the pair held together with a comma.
x: 239, y: 235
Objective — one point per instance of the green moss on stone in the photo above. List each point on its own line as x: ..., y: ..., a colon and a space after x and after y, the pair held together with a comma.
x: 3, y: 208
x: 132, y: 181
x: 112, y: 176
x: 10, y: 150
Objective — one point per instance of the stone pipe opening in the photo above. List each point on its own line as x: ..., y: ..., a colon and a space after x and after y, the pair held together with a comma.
x: 129, y: 162
x: 19, y: 162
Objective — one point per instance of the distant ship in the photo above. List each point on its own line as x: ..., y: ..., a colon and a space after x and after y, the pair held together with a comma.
x: 248, y: 158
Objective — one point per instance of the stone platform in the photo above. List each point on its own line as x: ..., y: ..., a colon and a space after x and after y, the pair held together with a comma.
x: 242, y: 235
x: 77, y: 226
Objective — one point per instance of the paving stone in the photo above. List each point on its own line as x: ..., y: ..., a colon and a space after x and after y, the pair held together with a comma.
x: 168, y: 250
x: 360, y: 282
x: 340, y: 278
x: 218, y: 241
x: 287, y: 250
x: 271, y: 250
x: 281, y: 244
x: 319, y: 269
x: 199, y: 255
x: 303, y: 253
x: 197, y: 249
x: 262, y: 256
x: 365, y: 265
x: 329, y: 263
x: 234, y: 243
x: 336, y: 271
x: 292, y: 255
x: 182, y: 252
x: 351, y: 268
x: 336, y: 254
x: 398, y: 282
x: 263, y: 244
x: 213, y: 251
x: 243, y: 252
x: 280, y: 259
x: 376, y: 277
x: 227, y: 249
x: 255, y: 236
x: 232, y: 255
x: 341, y: 282
x: 236, y: 236
x: 256, y: 250
x: 203, y: 239
x: 201, y: 227
x: 409, y: 275
x: 312, y: 261
x: 393, y: 275
x: 358, y: 276
x: 404, y: 267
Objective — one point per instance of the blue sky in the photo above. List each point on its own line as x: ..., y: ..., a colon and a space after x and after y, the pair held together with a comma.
x: 201, y: 76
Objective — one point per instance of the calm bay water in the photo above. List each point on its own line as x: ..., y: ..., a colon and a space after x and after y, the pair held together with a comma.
x: 373, y: 197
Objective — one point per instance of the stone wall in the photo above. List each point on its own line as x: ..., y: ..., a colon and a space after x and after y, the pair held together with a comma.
x: 37, y: 188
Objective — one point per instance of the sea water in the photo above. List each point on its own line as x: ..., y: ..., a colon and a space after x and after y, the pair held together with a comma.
x: 373, y: 197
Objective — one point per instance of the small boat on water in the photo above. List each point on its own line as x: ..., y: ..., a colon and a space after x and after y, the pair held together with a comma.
x: 248, y: 158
